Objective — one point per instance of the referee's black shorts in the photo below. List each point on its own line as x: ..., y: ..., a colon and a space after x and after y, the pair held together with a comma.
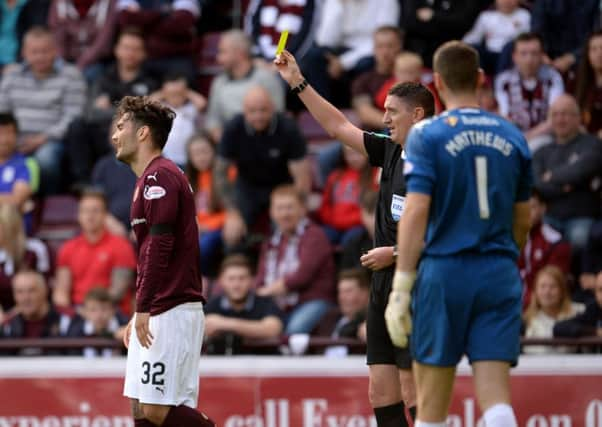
x: 380, y: 349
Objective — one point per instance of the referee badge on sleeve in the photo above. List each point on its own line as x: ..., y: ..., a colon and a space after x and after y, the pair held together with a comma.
x: 397, y: 204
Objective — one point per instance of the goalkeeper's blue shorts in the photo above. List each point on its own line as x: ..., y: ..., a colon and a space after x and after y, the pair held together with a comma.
x: 466, y: 304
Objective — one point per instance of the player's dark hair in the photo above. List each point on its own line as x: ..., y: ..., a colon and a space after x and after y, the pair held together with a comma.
x: 458, y: 65
x: 528, y: 37
x: 98, y: 294
x: 8, y: 119
x: 236, y: 260
x: 415, y: 95
x: 369, y: 200
x: 359, y: 274
x: 94, y: 193
x: 288, y: 190
x: 143, y: 111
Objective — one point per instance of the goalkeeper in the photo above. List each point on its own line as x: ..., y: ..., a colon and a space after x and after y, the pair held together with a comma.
x: 391, y: 381
x: 469, y: 179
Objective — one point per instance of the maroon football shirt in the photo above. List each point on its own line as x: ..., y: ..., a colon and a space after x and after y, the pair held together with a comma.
x: 164, y: 221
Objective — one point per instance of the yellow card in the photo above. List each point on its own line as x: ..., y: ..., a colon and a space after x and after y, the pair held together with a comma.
x: 282, y: 42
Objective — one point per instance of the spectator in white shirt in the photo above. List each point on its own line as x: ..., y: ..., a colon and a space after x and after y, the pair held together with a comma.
x: 344, y: 40
x: 495, y: 28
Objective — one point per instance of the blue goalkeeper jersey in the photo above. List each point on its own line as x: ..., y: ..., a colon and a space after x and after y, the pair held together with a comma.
x: 475, y: 166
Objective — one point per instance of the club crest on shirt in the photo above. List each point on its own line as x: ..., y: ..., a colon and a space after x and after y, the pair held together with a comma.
x: 451, y: 120
x: 154, y: 192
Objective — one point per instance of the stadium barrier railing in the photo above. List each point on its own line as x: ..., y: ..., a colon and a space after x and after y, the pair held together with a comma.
x: 313, y: 344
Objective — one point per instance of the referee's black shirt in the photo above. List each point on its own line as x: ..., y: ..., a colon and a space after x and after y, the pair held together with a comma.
x: 384, y: 153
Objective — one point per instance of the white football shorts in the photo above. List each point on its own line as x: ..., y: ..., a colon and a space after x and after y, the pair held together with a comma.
x: 167, y: 373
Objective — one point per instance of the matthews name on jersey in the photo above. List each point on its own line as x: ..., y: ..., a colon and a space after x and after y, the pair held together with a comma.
x: 475, y: 166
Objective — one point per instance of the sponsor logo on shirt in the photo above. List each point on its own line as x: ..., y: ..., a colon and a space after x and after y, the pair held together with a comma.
x: 479, y: 121
x: 154, y: 192
x: 137, y: 221
x: 152, y: 176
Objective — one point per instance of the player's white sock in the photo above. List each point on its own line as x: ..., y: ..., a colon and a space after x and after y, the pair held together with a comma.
x: 419, y: 423
x: 500, y: 415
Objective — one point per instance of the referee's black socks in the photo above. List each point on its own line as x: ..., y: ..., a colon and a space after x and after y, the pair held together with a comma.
x: 393, y: 415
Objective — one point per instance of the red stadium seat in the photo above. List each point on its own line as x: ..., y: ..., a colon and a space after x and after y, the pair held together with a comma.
x: 58, y: 219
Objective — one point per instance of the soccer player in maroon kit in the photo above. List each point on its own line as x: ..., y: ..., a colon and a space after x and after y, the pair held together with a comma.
x: 165, y: 335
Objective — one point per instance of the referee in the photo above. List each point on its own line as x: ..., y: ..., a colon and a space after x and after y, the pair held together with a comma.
x: 391, y: 382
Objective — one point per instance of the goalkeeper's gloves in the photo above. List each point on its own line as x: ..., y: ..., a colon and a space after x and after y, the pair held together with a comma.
x: 397, y: 313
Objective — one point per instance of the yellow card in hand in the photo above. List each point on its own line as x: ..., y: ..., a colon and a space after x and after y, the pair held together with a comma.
x: 282, y: 42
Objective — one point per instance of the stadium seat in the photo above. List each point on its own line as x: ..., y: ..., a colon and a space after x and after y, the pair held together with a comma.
x: 58, y: 218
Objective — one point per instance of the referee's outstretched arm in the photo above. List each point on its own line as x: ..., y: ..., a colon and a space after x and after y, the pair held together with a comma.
x: 331, y: 119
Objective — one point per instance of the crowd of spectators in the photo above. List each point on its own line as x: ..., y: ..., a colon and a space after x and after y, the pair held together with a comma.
x: 284, y: 213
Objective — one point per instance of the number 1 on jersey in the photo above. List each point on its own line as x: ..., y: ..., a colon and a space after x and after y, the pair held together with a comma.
x: 481, y: 169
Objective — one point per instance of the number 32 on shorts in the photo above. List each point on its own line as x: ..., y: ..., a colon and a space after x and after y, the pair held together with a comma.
x: 154, y: 375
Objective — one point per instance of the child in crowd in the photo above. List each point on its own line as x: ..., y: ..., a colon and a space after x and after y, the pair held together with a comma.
x: 340, y: 210
x: 550, y: 303
x: 408, y: 68
x: 496, y: 28
x: 200, y: 152
x: 187, y: 105
x: 98, y: 318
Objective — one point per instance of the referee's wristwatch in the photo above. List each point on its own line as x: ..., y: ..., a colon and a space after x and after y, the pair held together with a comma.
x: 300, y: 87
x: 395, y: 253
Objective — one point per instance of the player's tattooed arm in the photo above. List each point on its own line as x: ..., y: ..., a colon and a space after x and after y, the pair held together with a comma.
x: 122, y: 279
x: 223, y: 185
